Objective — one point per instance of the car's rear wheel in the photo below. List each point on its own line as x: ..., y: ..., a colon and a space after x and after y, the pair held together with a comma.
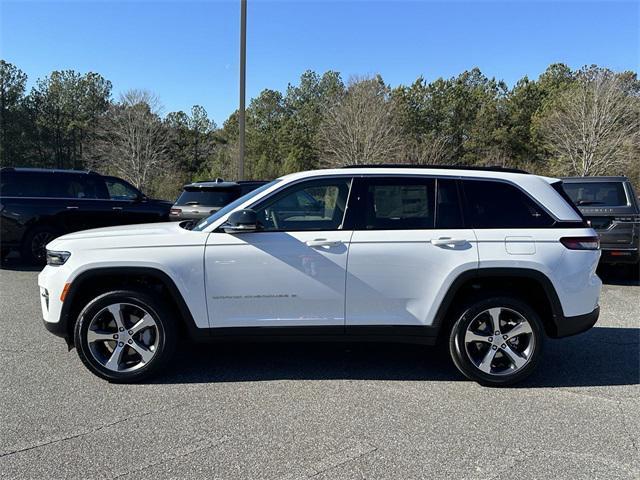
x: 34, y: 244
x: 125, y: 336
x: 497, y: 341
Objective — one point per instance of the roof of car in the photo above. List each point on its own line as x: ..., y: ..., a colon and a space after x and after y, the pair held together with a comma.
x: 219, y: 183
x: 595, y: 179
x: 46, y: 170
x: 445, y: 171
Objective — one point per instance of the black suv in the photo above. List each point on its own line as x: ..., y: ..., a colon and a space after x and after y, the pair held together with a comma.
x: 201, y: 199
x: 37, y: 205
x: 611, y: 206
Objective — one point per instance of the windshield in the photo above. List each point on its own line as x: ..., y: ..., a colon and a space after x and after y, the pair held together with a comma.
x: 608, y: 194
x: 205, y: 222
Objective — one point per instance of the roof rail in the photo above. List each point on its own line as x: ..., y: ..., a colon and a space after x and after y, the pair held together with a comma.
x: 495, y: 168
x: 48, y: 170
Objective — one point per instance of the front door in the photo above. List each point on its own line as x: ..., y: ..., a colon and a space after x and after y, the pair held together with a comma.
x: 290, y: 273
x: 409, y: 244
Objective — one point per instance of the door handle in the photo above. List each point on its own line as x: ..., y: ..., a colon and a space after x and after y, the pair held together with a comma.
x: 443, y: 241
x: 323, y: 242
x: 116, y: 208
x: 71, y: 207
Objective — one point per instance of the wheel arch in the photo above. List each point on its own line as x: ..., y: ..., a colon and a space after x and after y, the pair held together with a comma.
x: 529, y: 284
x: 93, y: 282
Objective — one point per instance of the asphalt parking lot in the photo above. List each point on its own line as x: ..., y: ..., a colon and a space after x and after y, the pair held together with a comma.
x: 324, y: 411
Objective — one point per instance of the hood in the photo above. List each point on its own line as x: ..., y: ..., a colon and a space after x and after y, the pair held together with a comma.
x: 147, y: 233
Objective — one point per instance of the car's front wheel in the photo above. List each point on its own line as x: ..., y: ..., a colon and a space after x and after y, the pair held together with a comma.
x: 125, y: 336
x: 497, y: 341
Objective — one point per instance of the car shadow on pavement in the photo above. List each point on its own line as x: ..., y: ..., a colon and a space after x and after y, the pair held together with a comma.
x: 15, y: 264
x: 619, y: 275
x: 602, y: 356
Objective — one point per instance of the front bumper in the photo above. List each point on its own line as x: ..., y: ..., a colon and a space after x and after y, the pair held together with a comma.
x: 567, y: 326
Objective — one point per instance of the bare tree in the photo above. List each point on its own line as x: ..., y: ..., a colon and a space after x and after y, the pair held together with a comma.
x: 360, y: 127
x: 430, y: 149
x: 593, y: 127
x: 131, y: 140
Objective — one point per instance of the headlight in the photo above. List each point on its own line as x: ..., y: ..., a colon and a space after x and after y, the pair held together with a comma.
x: 57, y: 258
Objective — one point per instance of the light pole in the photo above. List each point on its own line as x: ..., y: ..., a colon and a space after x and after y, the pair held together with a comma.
x: 243, y: 78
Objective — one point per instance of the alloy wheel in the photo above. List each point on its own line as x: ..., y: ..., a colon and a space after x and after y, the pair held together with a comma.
x: 123, y: 337
x: 499, y: 341
x: 39, y: 243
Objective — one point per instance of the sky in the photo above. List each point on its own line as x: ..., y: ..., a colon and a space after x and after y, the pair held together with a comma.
x: 187, y: 52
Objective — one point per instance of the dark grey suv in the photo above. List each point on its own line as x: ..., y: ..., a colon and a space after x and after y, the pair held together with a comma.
x: 612, y: 207
x: 201, y: 199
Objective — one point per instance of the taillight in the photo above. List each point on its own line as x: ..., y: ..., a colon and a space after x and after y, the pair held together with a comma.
x: 581, y: 243
x: 175, y: 211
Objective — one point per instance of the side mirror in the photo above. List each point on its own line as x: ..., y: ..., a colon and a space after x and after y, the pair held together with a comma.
x: 241, y: 221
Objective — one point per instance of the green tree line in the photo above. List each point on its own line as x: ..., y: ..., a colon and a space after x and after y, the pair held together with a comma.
x: 565, y: 122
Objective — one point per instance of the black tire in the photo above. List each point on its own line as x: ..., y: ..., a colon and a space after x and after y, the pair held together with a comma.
x: 461, y: 355
x: 33, y: 249
x: 166, y: 333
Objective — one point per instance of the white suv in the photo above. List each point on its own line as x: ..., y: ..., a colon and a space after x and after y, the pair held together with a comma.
x: 489, y: 260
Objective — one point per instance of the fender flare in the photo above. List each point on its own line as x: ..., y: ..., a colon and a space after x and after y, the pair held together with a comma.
x: 501, y: 273
x: 185, y: 314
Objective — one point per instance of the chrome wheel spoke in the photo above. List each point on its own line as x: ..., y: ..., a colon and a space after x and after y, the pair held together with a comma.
x: 118, y: 315
x: 114, y: 361
x: 519, y: 329
x: 476, y: 337
x: 144, y: 322
x: 485, y: 364
x: 98, y: 336
x: 516, y: 359
x: 494, y: 313
x: 143, y: 351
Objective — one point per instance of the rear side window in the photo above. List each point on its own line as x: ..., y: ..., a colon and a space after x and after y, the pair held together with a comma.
x: 491, y: 204
x: 28, y: 184
x: 399, y: 204
x: 79, y: 187
x: 210, y: 198
x: 607, y: 194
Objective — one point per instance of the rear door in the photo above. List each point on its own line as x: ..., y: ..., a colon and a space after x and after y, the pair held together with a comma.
x: 409, y: 244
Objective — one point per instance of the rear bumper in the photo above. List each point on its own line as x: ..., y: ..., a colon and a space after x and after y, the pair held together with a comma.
x: 619, y: 255
x: 567, y: 326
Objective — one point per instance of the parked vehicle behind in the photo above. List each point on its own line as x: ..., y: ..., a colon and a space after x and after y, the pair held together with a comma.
x: 611, y: 206
x: 488, y: 261
x: 38, y: 205
x: 201, y: 199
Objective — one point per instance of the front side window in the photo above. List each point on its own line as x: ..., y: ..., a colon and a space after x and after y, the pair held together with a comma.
x: 119, y: 190
x: 491, y: 204
x: 399, y: 203
x: 311, y: 205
